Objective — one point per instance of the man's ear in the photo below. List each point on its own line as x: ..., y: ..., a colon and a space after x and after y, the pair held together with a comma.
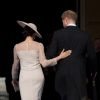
x: 66, y: 20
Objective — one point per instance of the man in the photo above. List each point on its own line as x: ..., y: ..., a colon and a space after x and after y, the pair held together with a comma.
x: 70, y: 80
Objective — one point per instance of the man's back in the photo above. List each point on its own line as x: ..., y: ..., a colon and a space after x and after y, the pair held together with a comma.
x: 72, y: 38
x: 72, y: 70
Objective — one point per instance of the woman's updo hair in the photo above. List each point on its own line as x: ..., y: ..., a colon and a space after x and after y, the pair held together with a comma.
x: 28, y: 32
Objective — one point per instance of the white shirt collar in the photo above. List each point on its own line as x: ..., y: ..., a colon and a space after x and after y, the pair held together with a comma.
x: 71, y: 24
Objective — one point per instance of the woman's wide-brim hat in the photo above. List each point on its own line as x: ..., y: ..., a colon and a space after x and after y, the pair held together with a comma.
x: 30, y: 25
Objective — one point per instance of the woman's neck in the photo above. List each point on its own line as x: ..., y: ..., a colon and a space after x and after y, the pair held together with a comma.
x: 29, y: 39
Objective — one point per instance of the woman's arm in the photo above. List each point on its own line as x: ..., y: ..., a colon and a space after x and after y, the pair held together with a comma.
x: 51, y: 62
x: 15, y: 66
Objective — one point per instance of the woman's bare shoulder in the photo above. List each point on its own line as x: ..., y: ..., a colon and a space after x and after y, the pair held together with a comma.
x: 19, y: 44
x: 39, y: 44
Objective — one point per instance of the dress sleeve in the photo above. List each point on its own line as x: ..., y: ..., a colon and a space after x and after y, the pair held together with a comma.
x: 15, y: 66
x: 42, y: 58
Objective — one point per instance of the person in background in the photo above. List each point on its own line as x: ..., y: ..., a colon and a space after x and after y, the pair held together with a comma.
x: 97, y: 81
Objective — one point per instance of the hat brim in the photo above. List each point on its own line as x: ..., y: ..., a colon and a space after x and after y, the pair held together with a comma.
x: 23, y: 24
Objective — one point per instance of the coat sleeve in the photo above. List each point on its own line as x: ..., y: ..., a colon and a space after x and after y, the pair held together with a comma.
x: 42, y: 58
x: 15, y: 66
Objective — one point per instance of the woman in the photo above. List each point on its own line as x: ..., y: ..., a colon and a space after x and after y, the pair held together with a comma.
x: 31, y: 56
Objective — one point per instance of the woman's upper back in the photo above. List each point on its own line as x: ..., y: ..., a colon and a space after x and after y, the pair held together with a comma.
x: 28, y: 53
x: 27, y: 46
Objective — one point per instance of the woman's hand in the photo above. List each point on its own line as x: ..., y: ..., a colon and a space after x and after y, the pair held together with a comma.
x: 15, y: 84
x: 65, y: 54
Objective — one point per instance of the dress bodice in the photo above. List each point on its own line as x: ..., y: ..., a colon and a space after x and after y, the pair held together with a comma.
x: 29, y: 59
